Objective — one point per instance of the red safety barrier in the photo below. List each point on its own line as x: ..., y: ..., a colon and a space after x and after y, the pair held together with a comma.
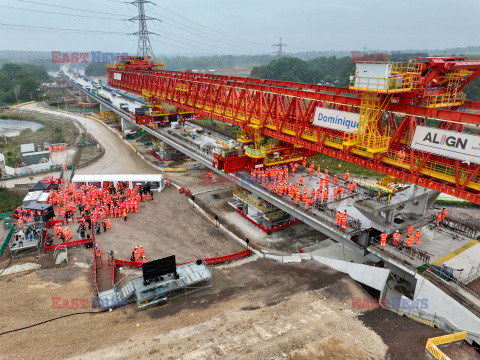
x: 68, y: 244
x: 49, y: 224
x: 222, y: 259
x: 127, y: 263
x: 268, y: 230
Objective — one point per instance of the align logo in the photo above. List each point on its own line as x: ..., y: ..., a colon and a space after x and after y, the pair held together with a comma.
x: 451, y: 144
x: 451, y: 141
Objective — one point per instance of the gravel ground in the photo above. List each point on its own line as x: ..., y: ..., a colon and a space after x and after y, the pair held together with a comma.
x: 258, y: 310
x: 406, y: 339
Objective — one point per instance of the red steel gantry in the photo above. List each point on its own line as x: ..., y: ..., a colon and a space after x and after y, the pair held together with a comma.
x: 391, y: 101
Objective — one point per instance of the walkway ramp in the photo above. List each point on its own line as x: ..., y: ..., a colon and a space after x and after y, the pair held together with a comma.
x: 191, y: 277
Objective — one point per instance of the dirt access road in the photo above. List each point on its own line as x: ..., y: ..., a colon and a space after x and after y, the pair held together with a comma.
x: 255, y: 310
x: 119, y: 158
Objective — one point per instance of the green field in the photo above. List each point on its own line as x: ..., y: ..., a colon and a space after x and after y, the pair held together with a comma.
x: 9, y: 200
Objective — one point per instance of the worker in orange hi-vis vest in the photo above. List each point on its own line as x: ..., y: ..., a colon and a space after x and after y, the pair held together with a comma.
x: 396, y: 238
x: 347, y: 175
x: 335, y: 180
x: 144, y: 259
x: 383, y: 239
x: 444, y: 214
x: 344, y: 220
x: 439, y: 218
x: 326, y: 171
x: 318, y: 170
x: 401, y: 156
x: 418, y: 234
x: 335, y: 192
x: 327, y: 180
x: 410, y: 240
x: 339, y: 218
x: 325, y: 195
x: 310, y: 170
x: 141, y: 251
x: 304, y: 163
x: 297, y: 198
x: 410, y: 229
x: 320, y: 182
x: 20, y: 223
x: 301, y: 179
x: 349, y: 189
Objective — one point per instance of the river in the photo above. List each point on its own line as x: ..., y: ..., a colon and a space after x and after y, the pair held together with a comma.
x: 10, y: 128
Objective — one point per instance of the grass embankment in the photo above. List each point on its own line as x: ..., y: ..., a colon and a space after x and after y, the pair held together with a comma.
x: 53, y: 131
x: 9, y: 200
x: 336, y: 166
x: 218, y: 126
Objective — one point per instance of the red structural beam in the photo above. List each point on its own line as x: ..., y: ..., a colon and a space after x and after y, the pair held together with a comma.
x: 286, y: 110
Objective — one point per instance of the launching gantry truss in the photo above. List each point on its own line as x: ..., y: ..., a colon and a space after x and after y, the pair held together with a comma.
x: 391, y: 102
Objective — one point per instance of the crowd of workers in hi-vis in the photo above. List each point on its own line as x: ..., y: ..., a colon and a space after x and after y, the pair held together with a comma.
x: 94, y: 206
x: 276, y: 179
x: 411, y: 237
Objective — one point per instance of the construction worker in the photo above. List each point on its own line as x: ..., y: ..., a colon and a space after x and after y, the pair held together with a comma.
x: 326, y: 171
x: 444, y: 214
x: 383, y: 239
x: 141, y: 251
x: 136, y: 253
x: 418, y: 234
x: 301, y: 179
x: 304, y: 163
x: 168, y: 181
x: 339, y: 219
x: 347, y: 175
x: 410, y: 240
x: 439, y: 218
x: 335, y: 180
x: 144, y: 259
x: 401, y: 156
x: 344, y: 220
x: 124, y: 215
x: 410, y: 229
x: 396, y: 238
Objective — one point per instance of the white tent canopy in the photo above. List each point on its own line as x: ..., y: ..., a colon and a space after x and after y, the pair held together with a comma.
x: 155, y: 180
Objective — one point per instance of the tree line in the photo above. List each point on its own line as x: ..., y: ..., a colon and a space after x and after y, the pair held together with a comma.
x: 20, y: 82
x: 329, y: 71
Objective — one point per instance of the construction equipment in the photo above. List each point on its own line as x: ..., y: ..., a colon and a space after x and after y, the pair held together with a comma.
x: 408, y: 123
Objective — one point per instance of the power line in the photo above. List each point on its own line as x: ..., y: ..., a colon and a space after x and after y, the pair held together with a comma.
x: 57, y: 13
x: 70, y: 8
x: 195, y: 33
x: 206, y: 27
x: 65, y: 30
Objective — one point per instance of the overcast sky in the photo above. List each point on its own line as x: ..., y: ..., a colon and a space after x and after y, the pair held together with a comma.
x: 210, y: 27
